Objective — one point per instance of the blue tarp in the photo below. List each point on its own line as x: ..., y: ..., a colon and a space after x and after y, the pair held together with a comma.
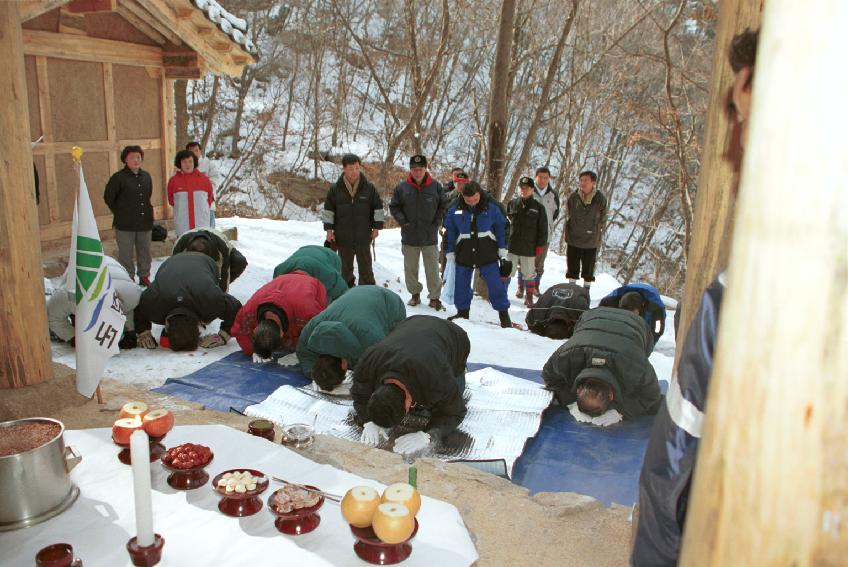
x: 564, y: 456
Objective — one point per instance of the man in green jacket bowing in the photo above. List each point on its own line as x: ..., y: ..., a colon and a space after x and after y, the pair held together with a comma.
x: 321, y: 263
x: 335, y: 339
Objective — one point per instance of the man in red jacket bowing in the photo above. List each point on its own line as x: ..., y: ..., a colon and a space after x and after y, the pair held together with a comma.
x: 277, y: 313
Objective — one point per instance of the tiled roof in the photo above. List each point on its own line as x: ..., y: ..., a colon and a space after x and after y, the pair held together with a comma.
x: 231, y: 25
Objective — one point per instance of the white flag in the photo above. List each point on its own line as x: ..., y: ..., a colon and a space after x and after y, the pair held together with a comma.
x: 99, y: 315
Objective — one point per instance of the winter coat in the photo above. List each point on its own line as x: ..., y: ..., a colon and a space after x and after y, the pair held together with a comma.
x: 584, y: 226
x: 427, y: 355
x: 62, y: 304
x: 231, y: 263
x: 528, y: 226
x: 418, y: 210
x: 359, y: 319
x: 353, y: 218
x: 299, y: 296
x: 550, y: 200
x: 319, y: 262
x: 561, y: 302
x: 191, y: 196
x: 128, y: 195
x: 477, y: 235
x: 618, y: 341
x: 672, y: 451
x: 189, y: 281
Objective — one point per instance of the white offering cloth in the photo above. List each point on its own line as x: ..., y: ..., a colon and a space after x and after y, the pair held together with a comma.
x: 102, y: 519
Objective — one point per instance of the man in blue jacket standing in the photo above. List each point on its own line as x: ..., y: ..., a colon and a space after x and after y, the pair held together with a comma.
x: 476, y: 235
x: 418, y: 205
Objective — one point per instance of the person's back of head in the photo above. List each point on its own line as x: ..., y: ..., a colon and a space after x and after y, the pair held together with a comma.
x: 203, y: 244
x: 266, y: 338
x: 593, y: 397
x: 327, y: 371
x: 559, y: 329
x: 386, y: 406
x: 183, y: 333
x: 632, y: 301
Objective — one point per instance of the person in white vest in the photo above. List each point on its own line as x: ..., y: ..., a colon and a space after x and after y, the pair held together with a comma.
x: 61, y: 306
x: 208, y: 168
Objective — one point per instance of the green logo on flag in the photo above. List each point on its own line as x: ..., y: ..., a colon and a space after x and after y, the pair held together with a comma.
x: 89, y: 263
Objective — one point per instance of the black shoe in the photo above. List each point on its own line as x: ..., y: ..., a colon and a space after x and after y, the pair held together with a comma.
x: 414, y: 300
x: 506, y: 322
x: 460, y: 314
x: 436, y: 304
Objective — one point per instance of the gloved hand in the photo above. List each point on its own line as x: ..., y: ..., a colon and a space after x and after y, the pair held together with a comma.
x: 503, y: 253
x: 214, y: 340
x: 450, y: 256
x: 373, y: 434
x: 539, y: 250
x: 609, y: 417
x: 146, y: 340
x: 412, y: 443
x: 128, y: 341
x: 259, y: 360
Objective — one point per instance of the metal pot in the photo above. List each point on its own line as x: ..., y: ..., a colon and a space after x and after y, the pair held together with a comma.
x: 35, y: 485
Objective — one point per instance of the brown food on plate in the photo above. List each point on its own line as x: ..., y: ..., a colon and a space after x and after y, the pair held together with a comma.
x: 291, y: 498
x: 27, y: 436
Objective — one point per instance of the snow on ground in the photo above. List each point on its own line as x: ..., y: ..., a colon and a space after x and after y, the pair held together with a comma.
x: 266, y: 243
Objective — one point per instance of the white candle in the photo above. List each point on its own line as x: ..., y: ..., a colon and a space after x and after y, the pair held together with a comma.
x: 140, y: 454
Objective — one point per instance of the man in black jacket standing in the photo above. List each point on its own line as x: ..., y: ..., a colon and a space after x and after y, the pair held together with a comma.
x: 605, y: 365
x: 128, y: 197
x: 584, y: 229
x: 418, y: 205
x: 420, y: 363
x: 528, y: 236
x: 185, y: 294
x: 353, y: 216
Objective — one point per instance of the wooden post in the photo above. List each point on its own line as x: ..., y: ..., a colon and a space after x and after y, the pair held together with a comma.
x: 771, y: 485
x: 24, y: 341
x: 714, y: 203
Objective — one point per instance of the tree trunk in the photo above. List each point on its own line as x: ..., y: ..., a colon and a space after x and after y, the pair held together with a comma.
x: 211, y: 110
x: 25, y: 355
x: 244, y: 87
x: 499, y: 100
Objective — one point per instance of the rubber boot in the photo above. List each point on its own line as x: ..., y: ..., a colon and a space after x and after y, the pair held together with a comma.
x: 460, y: 314
x: 519, y: 293
x: 538, y: 283
x: 506, y: 322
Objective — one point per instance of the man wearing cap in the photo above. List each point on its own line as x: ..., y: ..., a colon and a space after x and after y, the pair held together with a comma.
x: 528, y: 234
x: 184, y: 294
x: 586, y: 210
x: 545, y: 194
x: 476, y: 235
x: 353, y: 217
x: 418, y: 205
x: 604, y: 365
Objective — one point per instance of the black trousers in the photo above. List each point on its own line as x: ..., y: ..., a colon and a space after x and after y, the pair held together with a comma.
x: 362, y: 253
x: 575, y: 257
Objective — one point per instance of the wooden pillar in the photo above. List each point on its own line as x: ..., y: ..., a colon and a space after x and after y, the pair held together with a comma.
x: 771, y: 485
x: 24, y: 342
x: 712, y: 229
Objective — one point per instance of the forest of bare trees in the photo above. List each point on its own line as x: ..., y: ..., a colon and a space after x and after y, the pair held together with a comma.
x: 496, y: 88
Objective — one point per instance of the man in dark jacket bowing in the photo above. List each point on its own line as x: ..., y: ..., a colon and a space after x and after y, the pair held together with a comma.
x: 420, y: 363
x: 184, y: 294
x: 230, y: 262
x: 418, y: 205
x: 353, y: 216
x: 605, y: 366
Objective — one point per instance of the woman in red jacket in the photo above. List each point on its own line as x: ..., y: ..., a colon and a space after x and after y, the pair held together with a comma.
x: 190, y: 193
x: 277, y: 313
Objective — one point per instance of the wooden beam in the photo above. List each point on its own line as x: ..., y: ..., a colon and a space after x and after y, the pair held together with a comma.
x: 71, y: 23
x: 111, y: 123
x: 771, y: 484
x: 62, y: 230
x: 140, y: 10
x: 30, y: 10
x: 204, y: 30
x: 25, y: 356
x: 46, y: 115
x: 169, y: 135
x: 65, y: 46
x: 184, y: 13
x: 185, y: 73
x: 223, y: 46
x: 141, y: 25
x: 46, y: 148
x: 91, y: 6
x: 712, y: 227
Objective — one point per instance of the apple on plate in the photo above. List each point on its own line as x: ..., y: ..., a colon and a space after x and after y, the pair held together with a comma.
x: 405, y: 494
x: 393, y: 523
x: 158, y: 423
x: 133, y: 409
x: 123, y: 428
x: 359, y: 504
